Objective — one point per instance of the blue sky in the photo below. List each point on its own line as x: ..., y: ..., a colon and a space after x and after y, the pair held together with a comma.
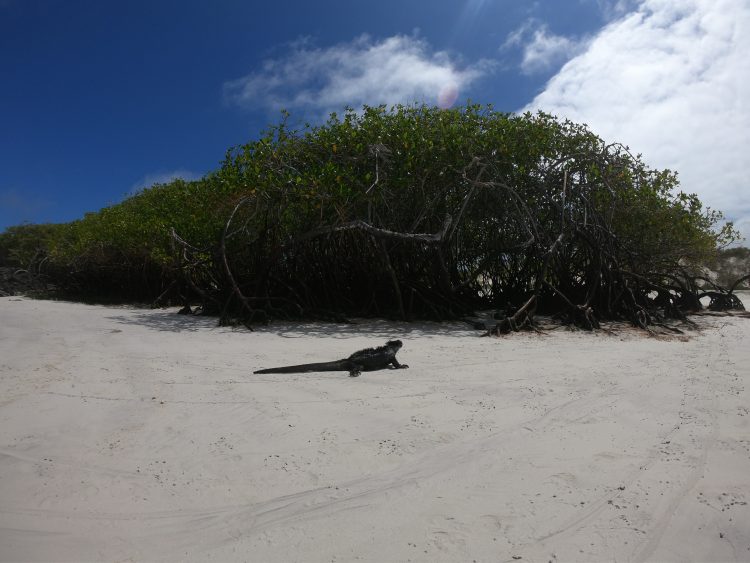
x: 100, y: 98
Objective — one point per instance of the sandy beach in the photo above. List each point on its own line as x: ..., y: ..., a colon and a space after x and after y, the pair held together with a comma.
x: 137, y: 435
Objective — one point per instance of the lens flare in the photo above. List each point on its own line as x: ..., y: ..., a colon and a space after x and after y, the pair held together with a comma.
x: 447, y: 96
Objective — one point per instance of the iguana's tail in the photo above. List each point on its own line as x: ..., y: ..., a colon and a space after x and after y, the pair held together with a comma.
x: 338, y: 365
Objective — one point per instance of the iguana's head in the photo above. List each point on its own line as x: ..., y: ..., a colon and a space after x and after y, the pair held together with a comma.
x: 396, y: 344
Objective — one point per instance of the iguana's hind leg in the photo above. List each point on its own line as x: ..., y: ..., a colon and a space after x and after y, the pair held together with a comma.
x: 355, y: 370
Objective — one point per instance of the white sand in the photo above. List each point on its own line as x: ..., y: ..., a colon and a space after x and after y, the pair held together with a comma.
x: 132, y: 435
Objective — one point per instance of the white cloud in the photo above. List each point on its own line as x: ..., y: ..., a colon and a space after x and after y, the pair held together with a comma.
x: 672, y: 80
x: 161, y: 178
x: 398, y: 69
x: 541, y: 49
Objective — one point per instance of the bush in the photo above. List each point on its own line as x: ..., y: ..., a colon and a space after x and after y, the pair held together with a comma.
x: 414, y: 212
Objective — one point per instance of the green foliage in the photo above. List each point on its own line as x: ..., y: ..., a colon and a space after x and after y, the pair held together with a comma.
x: 24, y: 245
x: 511, y: 184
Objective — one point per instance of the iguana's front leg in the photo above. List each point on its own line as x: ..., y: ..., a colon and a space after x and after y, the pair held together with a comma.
x: 397, y: 365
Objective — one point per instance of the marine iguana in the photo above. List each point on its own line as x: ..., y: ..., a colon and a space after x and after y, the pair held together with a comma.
x: 369, y: 359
